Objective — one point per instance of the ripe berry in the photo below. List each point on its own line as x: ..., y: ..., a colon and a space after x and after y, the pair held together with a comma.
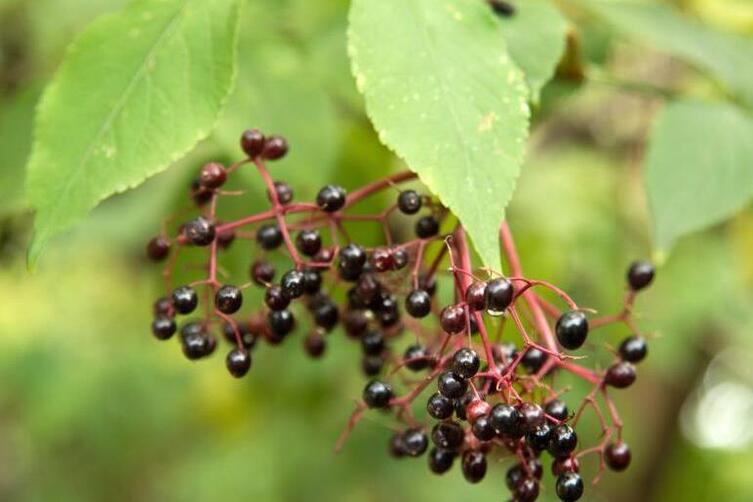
x: 400, y: 258
x: 482, y: 429
x: 507, y: 421
x: 640, y: 274
x: 533, y: 360
x: 355, y: 323
x: 372, y: 365
x: 185, y: 299
x: 499, y: 294
x: 382, y: 259
x: 439, y: 406
x: 269, y: 236
x: 465, y: 363
x: 200, y: 232
x: 372, y: 343
x: 572, y: 329
x: 502, y: 7
x: 275, y: 147
x: 475, y: 296
x: 451, y: 385
x: 417, y: 357
x: 163, y: 327
x: 352, y: 258
x: 418, y: 303
x: 617, y: 456
x: 396, y: 446
x: 197, y: 344
x: 212, y: 175
x: 252, y: 142
x: 620, y: 375
x: 518, y: 473
x: 527, y: 490
x: 474, y: 466
x: 452, y: 319
x: 409, y: 202
x: 238, y: 362
x: 633, y: 349
x: 262, y: 272
x: 440, y: 461
x: 281, y: 322
x: 427, y: 227
x: 283, y: 191
x: 562, y: 441
x: 314, y: 344
x: 532, y: 415
x: 292, y: 283
x: 556, y: 408
x: 476, y: 408
x: 415, y: 442
x: 158, y: 248
x: 312, y: 281
x: 461, y: 404
x: 199, y: 194
x: 248, y: 339
x: 569, y: 486
x: 448, y: 435
x: 228, y: 299
x: 225, y: 238
x: 377, y: 394
x: 308, y: 242
x: 274, y: 298
x: 331, y: 198
x: 538, y: 438
x: 326, y: 315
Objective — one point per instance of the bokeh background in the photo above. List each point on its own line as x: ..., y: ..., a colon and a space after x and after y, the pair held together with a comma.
x: 93, y: 408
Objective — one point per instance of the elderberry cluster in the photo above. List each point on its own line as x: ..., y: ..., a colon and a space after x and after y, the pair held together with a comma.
x: 487, y: 365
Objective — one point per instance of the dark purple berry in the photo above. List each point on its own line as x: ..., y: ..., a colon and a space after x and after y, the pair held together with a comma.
x: 185, y: 299
x: 312, y: 281
x: 499, y: 295
x: 372, y: 365
x: 158, y: 248
x: 620, y: 375
x: 474, y: 466
x: 452, y: 319
x: 482, y: 429
x: 292, y: 284
x: 418, y: 303
x: 200, y: 232
x: 538, y: 438
x: 228, y: 299
x: 314, y: 344
x: 640, y: 274
x: 252, y: 142
x: 427, y: 227
x: 465, y: 362
x: 617, y: 456
x: 417, y: 358
x: 377, y: 394
x: 439, y: 406
x: 163, y: 327
x: 326, y: 315
x: 507, y: 421
x: 572, y: 329
x: 262, y: 272
x: 274, y: 298
x: 372, y: 343
x: 281, y: 322
x: 269, y: 236
x: 238, y: 362
x: 283, y: 191
x: 309, y: 242
x: 409, y: 202
x: 400, y: 258
x: 451, y: 385
x: 562, y: 441
x: 275, y: 147
x: 556, y: 408
x: 415, y: 442
x: 633, y: 349
x: 448, y: 435
x: 212, y: 175
x: 352, y: 258
x: 569, y: 486
x: 440, y: 461
x: 533, y: 360
x: 331, y: 198
x: 527, y: 490
x: 475, y: 296
x: 532, y: 414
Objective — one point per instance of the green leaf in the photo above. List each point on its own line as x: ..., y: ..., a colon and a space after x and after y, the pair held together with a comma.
x: 535, y: 38
x: 728, y: 57
x: 699, y: 167
x: 443, y: 93
x: 136, y: 91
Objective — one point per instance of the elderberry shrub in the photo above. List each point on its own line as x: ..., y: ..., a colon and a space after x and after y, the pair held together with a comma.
x: 482, y: 397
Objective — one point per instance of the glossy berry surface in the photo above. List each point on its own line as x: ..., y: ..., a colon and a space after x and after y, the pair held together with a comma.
x: 212, y: 175
x: 238, y: 362
x: 292, y: 284
x: 269, y: 236
x: 507, y: 420
x: 418, y: 303
x: 499, y: 294
x: 262, y: 272
x: 200, y: 232
x: 417, y: 357
x: 415, y: 442
x: 163, y: 327
x: 440, y: 461
x: 252, y: 142
x: 185, y: 299
x: 482, y: 429
x: 426, y: 227
x: 620, y: 375
x: 556, y: 408
x: 377, y: 394
x: 533, y: 360
x: 281, y: 322
x: 451, y: 385
x: 562, y: 441
x: 331, y: 198
x: 633, y: 349
x: 569, y: 486
x: 275, y: 147
x: 409, y: 202
x: 228, y: 299
x: 158, y: 248
x: 284, y: 193
x: 572, y: 329
x: 640, y: 275
x: 452, y: 319
x: 617, y: 456
x: 447, y: 435
x: 465, y: 363
x: 475, y: 296
x: 474, y: 466
x: 274, y: 298
x: 439, y: 406
x: 309, y: 242
x: 351, y: 260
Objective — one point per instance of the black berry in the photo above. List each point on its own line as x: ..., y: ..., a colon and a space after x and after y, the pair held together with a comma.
x: 212, y: 175
x: 417, y: 357
x: 533, y: 360
x: 163, y: 327
x: 572, y: 329
x: 439, y: 406
x: 275, y: 147
x: 448, y: 435
x: 352, y: 258
x: 158, y: 248
x: 415, y: 442
x: 507, y: 421
x: 482, y: 428
x: 633, y: 349
x: 452, y: 319
x: 372, y: 342
x: 532, y: 415
x: 538, y: 438
x: 440, y: 460
x: 620, y: 375
x: 499, y: 294
x: 200, y: 232
x: 465, y: 362
x: 292, y: 284
x: 252, y: 142
x: 281, y: 322
x: 185, y: 299
x: 409, y: 202
x: 451, y: 385
x: 274, y: 298
x: 377, y: 394
x: 331, y: 198
x: 617, y: 456
x: 262, y: 272
x: 418, y: 303
x: 308, y: 242
x: 569, y: 486
x: 562, y: 441
x: 640, y: 275
x: 238, y: 362
x: 474, y: 466
x: 475, y: 296
x: 283, y: 191
x: 427, y: 227
x: 556, y: 408
x: 228, y: 299
x: 269, y: 236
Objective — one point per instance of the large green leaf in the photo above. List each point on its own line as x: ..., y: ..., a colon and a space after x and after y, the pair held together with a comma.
x: 699, y: 167
x: 728, y: 57
x: 442, y: 92
x: 135, y: 92
x: 535, y: 37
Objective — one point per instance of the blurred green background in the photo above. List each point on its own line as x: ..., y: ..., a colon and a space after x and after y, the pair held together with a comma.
x: 93, y: 408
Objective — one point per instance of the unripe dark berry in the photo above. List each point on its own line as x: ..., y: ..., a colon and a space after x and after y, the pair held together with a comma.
x: 418, y: 303
x: 415, y: 442
x: 252, y: 142
x: 315, y: 344
x: 448, y: 435
x: 562, y: 441
x: 439, y: 406
x: 409, y: 202
x: 452, y: 319
x: 640, y: 275
x: 617, y: 456
x: 569, y: 486
x: 262, y: 272
x: 292, y: 284
x: 275, y: 147
x: 475, y: 296
x: 474, y: 466
x: 351, y: 260
x: 427, y: 227
x: 417, y: 357
x: 572, y: 329
x: 269, y: 236
x: 556, y: 408
x: 200, y: 231
x: 331, y: 198
x: 283, y: 191
x: 281, y: 322
x: 482, y: 429
x: 465, y: 362
x: 372, y: 342
x: 440, y: 461
x: 633, y: 349
x: 533, y: 360
x: 163, y: 327
x: 212, y: 175
x: 499, y: 295
x: 309, y: 242
x: 507, y: 421
x: 620, y: 375
x: 238, y: 362
x: 185, y: 299
x: 451, y: 385
x: 228, y: 299
x: 158, y: 248
x: 377, y: 394
x: 274, y: 298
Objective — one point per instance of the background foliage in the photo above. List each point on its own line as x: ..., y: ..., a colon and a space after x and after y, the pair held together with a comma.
x: 92, y: 409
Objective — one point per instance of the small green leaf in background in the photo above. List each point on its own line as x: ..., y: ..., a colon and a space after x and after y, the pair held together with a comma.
x: 442, y: 92
x: 699, y: 167
x: 135, y: 92
x: 728, y: 57
x: 535, y: 38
